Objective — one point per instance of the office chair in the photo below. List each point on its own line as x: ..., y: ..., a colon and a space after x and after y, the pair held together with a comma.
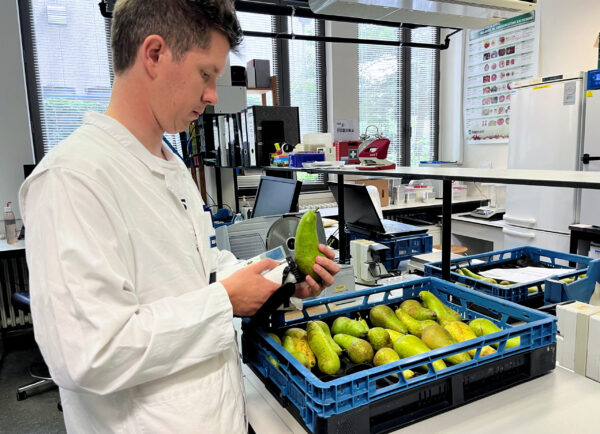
x: 38, y: 369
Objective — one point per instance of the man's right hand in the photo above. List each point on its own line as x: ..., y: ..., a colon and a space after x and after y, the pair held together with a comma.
x: 248, y: 290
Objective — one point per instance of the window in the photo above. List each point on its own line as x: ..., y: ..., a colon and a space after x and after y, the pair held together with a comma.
x: 299, y: 66
x: 68, y: 67
x: 398, y: 92
x: 255, y: 48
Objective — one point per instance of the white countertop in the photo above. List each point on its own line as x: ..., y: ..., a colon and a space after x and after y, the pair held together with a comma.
x: 5, y: 247
x: 558, y: 402
x: 493, y: 223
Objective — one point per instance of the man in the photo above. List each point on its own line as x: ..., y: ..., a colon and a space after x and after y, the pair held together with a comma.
x: 120, y: 248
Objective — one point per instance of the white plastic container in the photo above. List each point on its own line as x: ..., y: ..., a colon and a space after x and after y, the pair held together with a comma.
x: 459, y: 192
x: 10, y: 225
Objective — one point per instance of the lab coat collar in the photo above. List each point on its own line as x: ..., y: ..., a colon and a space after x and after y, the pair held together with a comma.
x: 131, y: 144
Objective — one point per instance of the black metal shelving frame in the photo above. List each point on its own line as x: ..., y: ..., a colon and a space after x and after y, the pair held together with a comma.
x: 547, y: 178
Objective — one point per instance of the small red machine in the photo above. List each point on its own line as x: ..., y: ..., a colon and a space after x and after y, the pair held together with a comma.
x: 374, y: 155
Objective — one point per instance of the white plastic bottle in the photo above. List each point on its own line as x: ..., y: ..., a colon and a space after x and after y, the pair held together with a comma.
x: 10, y: 225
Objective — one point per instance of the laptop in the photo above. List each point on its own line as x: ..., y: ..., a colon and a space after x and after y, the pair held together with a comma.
x: 361, y: 216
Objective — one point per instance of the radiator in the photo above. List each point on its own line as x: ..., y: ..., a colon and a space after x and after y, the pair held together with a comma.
x: 13, y: 277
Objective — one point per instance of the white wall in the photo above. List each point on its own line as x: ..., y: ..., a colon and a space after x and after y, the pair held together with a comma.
x: 568, y: 31
x: 342, y: 74
x: 15, y: 136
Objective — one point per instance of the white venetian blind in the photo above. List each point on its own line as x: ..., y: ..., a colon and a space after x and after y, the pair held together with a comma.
x: 379, y: 96
x: 72, y: 63
x: 424, y: 100
x: 303, y: 75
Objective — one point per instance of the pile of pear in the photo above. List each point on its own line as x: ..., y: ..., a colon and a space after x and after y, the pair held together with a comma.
x: 531, y: 290
x: 413, y: 328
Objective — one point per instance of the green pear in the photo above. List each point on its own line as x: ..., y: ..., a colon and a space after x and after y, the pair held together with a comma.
x: 327, y: 360
x: 383, y: 316
x: 307, y: 244
x: 443, y: 312
x: 349, y: 327
x: 483, y: 326
x: 410, y: 345
x: 333, y: 344
x: 435, y: 336
x: 388, y: 355
x: 418, y: 312
x: 359, y: 350
x: 414, y: 327
x: 379, y: 338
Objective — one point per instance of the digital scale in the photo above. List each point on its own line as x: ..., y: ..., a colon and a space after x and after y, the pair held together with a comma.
x: 487, y: 212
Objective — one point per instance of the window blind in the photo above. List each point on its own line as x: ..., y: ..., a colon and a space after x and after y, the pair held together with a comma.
x: 399, y: 92
x: 424, y: 97
x: 71, y: 62
x: 70, y: 65
x: 379, y: 96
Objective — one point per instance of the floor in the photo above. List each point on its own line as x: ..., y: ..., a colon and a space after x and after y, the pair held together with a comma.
x: 36, y: 414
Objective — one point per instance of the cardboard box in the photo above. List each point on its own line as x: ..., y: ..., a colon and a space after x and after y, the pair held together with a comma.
x: 381, y: 184
x: 573, y: 327
x: 592, y: 369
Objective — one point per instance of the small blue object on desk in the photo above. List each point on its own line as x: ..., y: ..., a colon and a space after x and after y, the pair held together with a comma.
x: 297, y: 159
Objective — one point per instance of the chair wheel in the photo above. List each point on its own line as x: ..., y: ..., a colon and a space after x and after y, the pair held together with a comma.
x: 59, y: 406
x: 21, y: 396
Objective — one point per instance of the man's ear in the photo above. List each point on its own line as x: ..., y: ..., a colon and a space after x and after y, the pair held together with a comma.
x: 153, y: 52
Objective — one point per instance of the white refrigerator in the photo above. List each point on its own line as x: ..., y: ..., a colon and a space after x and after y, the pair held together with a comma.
x: 553, y: 123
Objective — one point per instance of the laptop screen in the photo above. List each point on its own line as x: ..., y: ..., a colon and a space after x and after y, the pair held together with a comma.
x: 358, y: 206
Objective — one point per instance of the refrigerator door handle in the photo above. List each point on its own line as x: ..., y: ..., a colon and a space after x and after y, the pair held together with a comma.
x: 586, y: 159
x: 519, y: 221
x: 507, y: 231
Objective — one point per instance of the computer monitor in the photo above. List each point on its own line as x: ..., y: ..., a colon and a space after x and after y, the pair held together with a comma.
x: 276, y: 196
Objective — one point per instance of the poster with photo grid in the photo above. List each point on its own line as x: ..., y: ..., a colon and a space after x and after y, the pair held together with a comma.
x: 497, y: 56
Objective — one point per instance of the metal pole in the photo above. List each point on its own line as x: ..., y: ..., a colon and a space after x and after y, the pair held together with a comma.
x: 446, y: 227
x: 341, y: 221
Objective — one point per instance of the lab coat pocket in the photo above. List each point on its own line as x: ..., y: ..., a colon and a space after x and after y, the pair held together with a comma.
x: 201, y: 405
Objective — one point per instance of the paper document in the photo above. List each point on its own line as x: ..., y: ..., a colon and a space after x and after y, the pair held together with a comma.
x: 522, y: 275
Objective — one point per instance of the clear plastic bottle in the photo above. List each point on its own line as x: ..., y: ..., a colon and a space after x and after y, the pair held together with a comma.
x: 10, y: 225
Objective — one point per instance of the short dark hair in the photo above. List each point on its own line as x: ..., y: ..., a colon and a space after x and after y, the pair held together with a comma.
x: 183, y: 24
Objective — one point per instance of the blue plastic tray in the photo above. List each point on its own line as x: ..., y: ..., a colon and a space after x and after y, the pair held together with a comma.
x: 401, y: 248
x: 315, y: 399
x: 518, y: 293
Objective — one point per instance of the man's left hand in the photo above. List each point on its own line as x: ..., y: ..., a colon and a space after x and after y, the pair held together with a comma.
x: 325, y: 268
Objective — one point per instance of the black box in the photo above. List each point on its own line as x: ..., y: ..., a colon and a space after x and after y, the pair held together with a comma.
x: 268, y: 125
x: 262, y: 73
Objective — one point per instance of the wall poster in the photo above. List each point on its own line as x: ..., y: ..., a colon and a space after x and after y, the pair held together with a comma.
x: 496, y: 56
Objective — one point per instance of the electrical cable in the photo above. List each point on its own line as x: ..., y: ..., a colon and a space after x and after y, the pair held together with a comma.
x: 172, y: 148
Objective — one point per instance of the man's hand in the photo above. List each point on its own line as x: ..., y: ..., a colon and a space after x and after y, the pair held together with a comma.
x: 248, y: 289
x: 325, y: 268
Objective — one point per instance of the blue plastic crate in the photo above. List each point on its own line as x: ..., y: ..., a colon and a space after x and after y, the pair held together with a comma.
x: 314, y: 399
x: 580, y: 290
x: 401, y: 248
x: 297, y: 159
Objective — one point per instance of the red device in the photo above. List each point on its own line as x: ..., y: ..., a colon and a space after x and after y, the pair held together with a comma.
x: 347, y: 151
x: 373, y: 156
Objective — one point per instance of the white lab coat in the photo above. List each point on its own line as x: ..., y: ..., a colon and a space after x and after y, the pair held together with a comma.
x: 120, y: 252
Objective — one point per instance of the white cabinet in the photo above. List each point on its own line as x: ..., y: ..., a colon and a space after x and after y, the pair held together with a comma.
x: 516, y: 237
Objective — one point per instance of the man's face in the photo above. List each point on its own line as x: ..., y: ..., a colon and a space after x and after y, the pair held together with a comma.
x: 188, y: 86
